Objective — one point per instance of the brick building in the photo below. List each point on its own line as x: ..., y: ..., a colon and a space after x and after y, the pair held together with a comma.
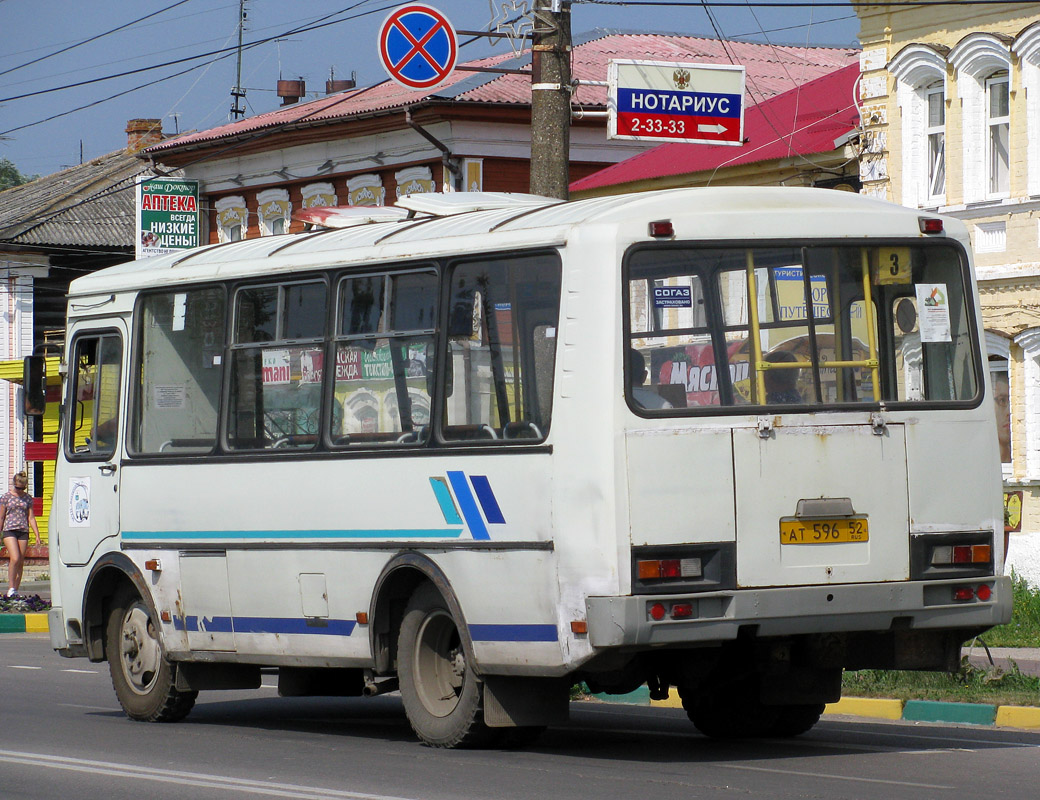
x: 951, y: 107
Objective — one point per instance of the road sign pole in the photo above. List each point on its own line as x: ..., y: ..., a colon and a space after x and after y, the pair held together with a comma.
x: 551, y: 99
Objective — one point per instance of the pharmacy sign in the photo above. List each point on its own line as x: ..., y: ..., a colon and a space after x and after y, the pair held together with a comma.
x: 167, y: 216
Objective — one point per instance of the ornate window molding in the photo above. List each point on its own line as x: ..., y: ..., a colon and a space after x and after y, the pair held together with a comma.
x: 231, y: 218
x: 366, y: 190
x: 414, y: 180
x: 274, y: 210
x: 920, y: 74
x: 319, y: 195
x: 1029, y: 341
x: 1027, y: 48
x: 999, y: 350
x: 977, y: 58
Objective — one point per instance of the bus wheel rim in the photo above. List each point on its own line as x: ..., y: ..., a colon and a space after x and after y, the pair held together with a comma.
x: 440, y: 664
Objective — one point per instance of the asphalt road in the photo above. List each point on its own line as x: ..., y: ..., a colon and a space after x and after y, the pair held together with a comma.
x: 62, y: 735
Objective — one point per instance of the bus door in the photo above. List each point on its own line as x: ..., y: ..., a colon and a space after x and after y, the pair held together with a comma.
x: 86, y: 501
x: 821, y: 497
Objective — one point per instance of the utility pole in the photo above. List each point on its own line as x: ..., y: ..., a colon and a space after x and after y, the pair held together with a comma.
x: 551, y: 98
x: 237, y: 92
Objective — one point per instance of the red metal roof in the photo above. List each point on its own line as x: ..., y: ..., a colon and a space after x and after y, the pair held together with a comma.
x: 801, y: 121
x: 770, y: 70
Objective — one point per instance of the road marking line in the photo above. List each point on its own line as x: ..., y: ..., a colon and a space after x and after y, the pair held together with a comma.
x: 89, y: 708
x: 82, y: 671
x: 137, y: 773
x: 19, y: 666
x: 833, y: 777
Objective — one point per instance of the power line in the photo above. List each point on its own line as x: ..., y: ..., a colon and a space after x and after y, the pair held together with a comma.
x: 94, y: 38
x: 247, y: 46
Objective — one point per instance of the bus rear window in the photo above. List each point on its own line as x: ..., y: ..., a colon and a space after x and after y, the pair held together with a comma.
x: 799, y: 326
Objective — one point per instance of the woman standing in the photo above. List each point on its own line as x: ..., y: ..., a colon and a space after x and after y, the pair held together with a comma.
x: 16, y: 518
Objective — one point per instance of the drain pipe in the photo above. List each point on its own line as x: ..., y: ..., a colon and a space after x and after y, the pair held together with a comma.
x: 446, y: 158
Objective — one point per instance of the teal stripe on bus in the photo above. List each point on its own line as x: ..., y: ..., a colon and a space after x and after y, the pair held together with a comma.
x: 400, y: 533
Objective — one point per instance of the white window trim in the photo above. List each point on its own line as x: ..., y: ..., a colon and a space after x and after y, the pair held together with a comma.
x: 1029, y: 341
x: 1027, y: 48
x: 997, y: 345
x: 273, y: 205
x: 917, y: 70
x: 236, y: 205
x: 975, y: 58
x: 991, y: 123
x: 934, y: 198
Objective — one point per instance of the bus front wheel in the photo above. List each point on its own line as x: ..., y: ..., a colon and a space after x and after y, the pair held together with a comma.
x: 443, y: 697
x: 141, y: 675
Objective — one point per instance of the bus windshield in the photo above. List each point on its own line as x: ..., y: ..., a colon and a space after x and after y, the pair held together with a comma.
x: 798, y: 325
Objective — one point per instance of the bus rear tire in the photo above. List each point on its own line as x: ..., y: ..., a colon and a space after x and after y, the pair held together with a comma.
x: 796, y: 720
x: 141, y: 676
x: 443, y: 697
x: 735, y: 714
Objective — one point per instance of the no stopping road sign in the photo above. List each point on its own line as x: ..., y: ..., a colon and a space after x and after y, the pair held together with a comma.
x: 418, y: 46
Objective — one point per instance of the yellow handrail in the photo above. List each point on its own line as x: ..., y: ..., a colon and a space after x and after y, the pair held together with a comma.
x: 875, y: 372
x: 756, y: 344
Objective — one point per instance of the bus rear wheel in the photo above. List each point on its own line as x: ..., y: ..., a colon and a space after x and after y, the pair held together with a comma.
x: 796, y: 720
x: 443, y: 697
x: 141, y: 676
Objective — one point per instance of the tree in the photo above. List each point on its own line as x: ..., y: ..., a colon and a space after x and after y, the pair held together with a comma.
x: 10, y: 176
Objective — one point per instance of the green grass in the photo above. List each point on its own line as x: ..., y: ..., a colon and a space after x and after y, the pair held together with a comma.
x: 970, y: 685
x: 1024, y: 628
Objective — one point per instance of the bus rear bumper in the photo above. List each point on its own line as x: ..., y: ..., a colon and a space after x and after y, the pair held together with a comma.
x: 720, y: 616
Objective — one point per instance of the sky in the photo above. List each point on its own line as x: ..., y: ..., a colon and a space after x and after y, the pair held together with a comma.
x: 50, y: 44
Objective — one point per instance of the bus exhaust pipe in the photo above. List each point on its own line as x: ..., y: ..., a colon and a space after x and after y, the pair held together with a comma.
x: 374, y: 687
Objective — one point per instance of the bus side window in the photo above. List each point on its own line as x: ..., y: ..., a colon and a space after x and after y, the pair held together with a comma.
x: 384, y: 353
x: 276, y: 366
x: 176, y: 387
x: 503, y: 314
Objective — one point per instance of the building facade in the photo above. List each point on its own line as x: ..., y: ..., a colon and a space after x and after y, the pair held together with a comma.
x: 950, y: 103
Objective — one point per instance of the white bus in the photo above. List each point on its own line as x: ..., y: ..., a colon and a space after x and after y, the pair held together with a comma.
x: 731, y: 441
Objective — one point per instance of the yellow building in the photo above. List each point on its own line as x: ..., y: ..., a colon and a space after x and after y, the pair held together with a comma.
x: 950, y: 97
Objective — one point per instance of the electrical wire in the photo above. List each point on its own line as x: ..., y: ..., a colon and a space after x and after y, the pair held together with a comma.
x: 93, y: 38
x: 228, y: 50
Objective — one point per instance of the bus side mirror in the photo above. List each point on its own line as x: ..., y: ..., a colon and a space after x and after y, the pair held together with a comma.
x: 34, y: 382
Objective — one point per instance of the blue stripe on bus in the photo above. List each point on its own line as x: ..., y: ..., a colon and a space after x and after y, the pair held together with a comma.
x: 443, y: 495
x: 406, y: 533
x: 513, y: 633
x: 286, y: 625
x: 468, y: 505
x: 482, y: 486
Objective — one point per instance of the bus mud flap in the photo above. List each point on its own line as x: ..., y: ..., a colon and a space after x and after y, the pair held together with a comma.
x: 521, y: 702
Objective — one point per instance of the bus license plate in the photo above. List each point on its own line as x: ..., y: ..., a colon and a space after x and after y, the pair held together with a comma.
x: 822, y: 531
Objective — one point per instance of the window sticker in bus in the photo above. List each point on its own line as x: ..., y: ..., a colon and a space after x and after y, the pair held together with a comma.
x: 934, y: 307
x: 893, y: 265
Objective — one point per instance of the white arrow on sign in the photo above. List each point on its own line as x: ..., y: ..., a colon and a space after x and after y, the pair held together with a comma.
x: 711, y: 128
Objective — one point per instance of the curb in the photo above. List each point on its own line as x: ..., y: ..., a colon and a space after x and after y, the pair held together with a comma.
x: 24, y: 623
x: 1026, y: 717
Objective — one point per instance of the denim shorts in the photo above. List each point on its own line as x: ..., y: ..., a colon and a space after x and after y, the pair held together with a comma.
x: 23, y: 535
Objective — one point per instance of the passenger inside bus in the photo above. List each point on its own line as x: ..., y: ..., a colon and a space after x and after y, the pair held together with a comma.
x: 781, y: 383
x: 637, y: 371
